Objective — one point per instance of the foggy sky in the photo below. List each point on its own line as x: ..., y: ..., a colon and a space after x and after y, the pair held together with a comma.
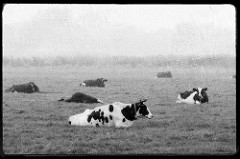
x: 129, y: 30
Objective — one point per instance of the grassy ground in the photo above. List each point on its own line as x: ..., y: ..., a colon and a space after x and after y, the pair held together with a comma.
x: 37, y: 123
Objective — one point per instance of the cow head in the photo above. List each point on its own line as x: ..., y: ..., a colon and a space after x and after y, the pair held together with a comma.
x: 201, y: 95
x: 139, y: 109
x: 143, y: 109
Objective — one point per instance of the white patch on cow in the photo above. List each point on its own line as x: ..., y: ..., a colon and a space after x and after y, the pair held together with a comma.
x: 150, y: 115
x: 188, y: 100
x: 120, y: 123
x: 197, y: 102
x: 121, y: 104
x: 200, y: 92
x: 179, y: 98
x: 83, y: 84
x: 80, y: 119
x: 118, y: 103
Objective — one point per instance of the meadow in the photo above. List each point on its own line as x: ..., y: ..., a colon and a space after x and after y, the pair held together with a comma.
x: 37, y: 123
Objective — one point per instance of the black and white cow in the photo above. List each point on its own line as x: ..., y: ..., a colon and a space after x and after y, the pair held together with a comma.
x: 80, y: 98
x: 116, y: 114
x: 166, y: 74
x: 94, y: 83
x: 196, y: 96
x: 24, y: 88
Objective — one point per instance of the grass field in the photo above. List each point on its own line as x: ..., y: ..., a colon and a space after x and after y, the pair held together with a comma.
x: 37, y: 124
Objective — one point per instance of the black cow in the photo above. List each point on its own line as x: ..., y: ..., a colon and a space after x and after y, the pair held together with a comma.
x: 167, y: 74
x: 24, y: 88
x: 81, y: 98
x: 94, y: 83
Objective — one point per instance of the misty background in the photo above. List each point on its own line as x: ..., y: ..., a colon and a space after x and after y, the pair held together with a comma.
x: 125, y: 35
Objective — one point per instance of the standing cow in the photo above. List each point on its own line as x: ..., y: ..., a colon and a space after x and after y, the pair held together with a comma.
x: 196, y: 96
x: 24, y: 88
x: 94, y: 83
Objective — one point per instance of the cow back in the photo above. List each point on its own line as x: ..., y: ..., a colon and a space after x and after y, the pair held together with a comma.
x: 186, y: 94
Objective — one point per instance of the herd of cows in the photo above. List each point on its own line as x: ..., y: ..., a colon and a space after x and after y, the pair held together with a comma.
x: 116, y: 114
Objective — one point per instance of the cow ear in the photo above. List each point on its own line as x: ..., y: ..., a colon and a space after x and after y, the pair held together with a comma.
x: 194, y: 89
x: 204, y: 89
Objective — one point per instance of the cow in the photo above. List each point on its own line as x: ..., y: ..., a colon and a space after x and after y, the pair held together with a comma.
x: 23, y: 88
x: 116, y: 114
x: 94, y: 83
x: 79, y: 97
x: 166, y: 74
x: 196, y: 96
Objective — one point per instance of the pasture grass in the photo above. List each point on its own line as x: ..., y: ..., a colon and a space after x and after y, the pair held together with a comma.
x: 37, y: 123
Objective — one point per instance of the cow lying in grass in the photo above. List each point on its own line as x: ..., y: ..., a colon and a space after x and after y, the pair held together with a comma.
x: 116, y: 114
x: 23, y: 88
x: 166, y: 74
x: 80, y: 98
x: 196, y: 96
x: 94, y: 83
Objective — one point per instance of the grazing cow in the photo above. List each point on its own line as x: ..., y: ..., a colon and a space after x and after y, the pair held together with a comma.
x: 167, y: 74
x: 233, y: 76
x: 80, y: 98
x: 24, y: 88
x: 196, y: 96
x: 116, y: 114
x: 94, y: 83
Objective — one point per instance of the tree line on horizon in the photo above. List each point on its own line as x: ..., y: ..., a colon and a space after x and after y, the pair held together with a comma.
x: 150, y: 61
